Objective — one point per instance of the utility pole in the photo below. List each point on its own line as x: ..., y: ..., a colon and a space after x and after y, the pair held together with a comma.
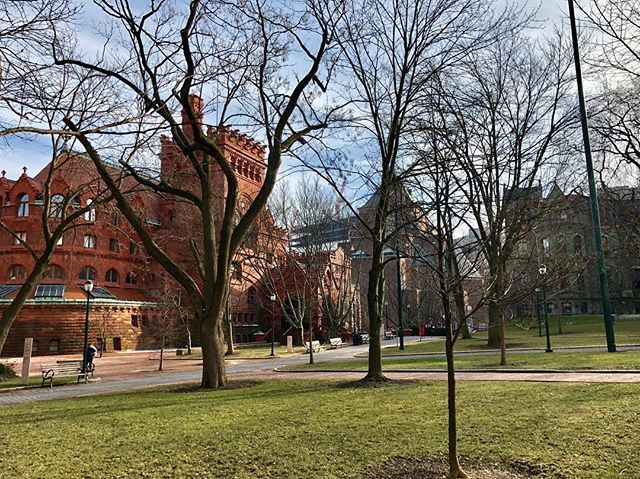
x: 398, y: 273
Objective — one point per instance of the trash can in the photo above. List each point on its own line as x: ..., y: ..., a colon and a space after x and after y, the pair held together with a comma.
x: 357, y: 339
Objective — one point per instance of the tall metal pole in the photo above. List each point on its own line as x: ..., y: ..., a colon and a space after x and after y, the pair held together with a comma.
x: 593, y: 195
x: 273, y: 326
x: 398, y: 275
x: 86, y: 335
x: 546, y: 318
x: 538, y: 312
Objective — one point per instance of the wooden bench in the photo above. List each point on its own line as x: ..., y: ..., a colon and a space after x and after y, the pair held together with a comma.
x: 314, y: 344
x: 335, y: 343
x: 64, y: 369
x: 70, y: 362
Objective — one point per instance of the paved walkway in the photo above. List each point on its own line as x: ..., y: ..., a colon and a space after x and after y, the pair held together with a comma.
x: 124, y: 372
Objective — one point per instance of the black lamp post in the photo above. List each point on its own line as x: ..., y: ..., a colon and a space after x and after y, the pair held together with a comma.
x: 273, y: 324
x: 88, y: 287
x: 543, y: 273
x: 386, y: 314
x: 538, y: 312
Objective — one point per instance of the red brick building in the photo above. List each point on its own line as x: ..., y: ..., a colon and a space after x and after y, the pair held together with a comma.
x: 101, y: 248
x: 104, y: 248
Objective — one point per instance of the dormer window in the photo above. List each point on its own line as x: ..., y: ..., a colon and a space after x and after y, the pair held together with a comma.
x: 23, y: 205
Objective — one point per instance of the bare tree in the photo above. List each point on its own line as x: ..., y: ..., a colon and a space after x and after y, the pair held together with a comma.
x: 166, y: 326
x: 390, y: 52
x: 155, y: 60
x: 440, y: 194
x: 508, y: 116
x: 104, y: 320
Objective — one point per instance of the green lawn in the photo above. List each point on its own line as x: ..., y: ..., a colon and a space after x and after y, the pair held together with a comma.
x: 293, y: 429
x: 556, y: 360
x: 577, y: 331
x: 244, y: 352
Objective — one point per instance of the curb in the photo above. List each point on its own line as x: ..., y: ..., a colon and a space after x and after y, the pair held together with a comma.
x: 467, y: 371
x: 620, y: 348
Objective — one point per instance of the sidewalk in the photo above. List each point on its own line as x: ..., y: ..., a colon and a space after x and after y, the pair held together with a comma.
x: 479, y: 352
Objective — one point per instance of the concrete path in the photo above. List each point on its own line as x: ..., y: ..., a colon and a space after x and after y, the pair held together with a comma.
x: 125, y: 372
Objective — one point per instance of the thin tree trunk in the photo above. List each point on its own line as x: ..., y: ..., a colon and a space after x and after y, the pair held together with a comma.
x: 161, y: 355
x: 311, y: 361
x: 455, y: 471
x: 503, y: 340
x: 189, y: 344
x: 559, y: 324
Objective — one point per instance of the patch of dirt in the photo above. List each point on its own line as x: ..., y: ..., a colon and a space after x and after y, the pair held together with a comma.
x: 195, y: 388
x: 429, y: 468
x: 387, y: 382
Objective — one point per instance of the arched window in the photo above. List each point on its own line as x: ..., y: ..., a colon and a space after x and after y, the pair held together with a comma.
x: 23, y: 205
x: 55, y: 209
x: 88, y: 273
x: 54, y: 271
x: 251, y: 295
x: 17, y: 271
x: 131, y: 278
x: 112, y: 276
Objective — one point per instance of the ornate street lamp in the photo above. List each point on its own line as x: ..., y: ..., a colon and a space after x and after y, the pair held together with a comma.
x: 273, y: 325
x: 543, y: 273
x: 88, y: 287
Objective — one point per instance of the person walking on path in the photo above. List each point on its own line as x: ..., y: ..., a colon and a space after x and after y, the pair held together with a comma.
x: 91, y: 354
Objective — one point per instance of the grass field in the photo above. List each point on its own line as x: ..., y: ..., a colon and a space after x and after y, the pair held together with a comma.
x: 577, y: 331
x: 294, y: 429
x: 556, y: 360
x: 244, y: 352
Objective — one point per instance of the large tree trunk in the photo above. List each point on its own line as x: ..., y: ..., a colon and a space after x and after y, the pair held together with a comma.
x: 213, y: 348
x: 466, y: 334
x: 495, y: 326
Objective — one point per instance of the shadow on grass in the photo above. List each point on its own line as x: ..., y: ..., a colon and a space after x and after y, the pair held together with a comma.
x: 367, y: 384
x: 195, y: 387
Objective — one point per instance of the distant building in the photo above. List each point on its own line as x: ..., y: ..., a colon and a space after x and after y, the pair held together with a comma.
x: 562, y: 238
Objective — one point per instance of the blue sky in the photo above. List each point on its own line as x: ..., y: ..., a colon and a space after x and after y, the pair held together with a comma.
x: 35, y: 152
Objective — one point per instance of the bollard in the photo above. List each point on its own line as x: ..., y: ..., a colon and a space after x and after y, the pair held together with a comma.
x: 26, y: 360
x: 289, y: 344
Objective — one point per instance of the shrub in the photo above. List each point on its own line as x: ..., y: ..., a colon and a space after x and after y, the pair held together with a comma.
x: 6, y: 372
